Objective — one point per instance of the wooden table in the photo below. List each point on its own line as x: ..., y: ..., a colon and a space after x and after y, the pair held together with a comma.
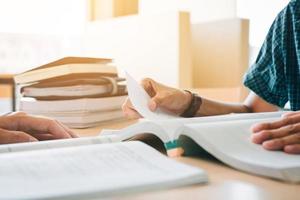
x: 224, y: 182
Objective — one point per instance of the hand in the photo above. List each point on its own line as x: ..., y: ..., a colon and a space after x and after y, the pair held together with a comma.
x: 170, y: 99
x: 283, y: 134
x: 20, y: 127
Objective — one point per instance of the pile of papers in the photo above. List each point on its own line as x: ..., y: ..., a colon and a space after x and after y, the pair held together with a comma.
x: 79, y: 92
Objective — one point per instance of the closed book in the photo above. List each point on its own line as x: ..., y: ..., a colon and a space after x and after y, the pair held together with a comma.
x: 32, y: 105
x: 98, y: 79
x: 73, y: 92
x: 101, y: 86
x: 83, y: 119
x: 68, y: 68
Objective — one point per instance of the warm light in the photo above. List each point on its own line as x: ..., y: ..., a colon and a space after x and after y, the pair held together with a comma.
x: 47, y: 16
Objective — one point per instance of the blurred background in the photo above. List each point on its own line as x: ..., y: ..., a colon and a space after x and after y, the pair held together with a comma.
x: 197, y: 44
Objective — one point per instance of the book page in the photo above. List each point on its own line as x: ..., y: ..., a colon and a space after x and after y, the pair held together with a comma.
x: 220, y: 118
x: 91, y: 171
x: 52, y: 144
x: 174, y: 127
x: 143, y: 126
x: 231, y: 143
x: 140, y: 99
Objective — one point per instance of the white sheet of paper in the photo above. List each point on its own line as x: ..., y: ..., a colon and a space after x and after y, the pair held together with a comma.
x: 139, y: 99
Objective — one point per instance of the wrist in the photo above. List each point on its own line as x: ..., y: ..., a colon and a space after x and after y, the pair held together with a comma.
x: 193, y: 106
x: 187, y: 100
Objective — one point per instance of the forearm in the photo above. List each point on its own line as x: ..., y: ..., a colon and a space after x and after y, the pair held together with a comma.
x: 210, y: 107
x: 253, y: 103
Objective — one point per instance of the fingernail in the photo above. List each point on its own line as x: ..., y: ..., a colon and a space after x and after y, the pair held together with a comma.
x: 271, y: 145
x: 255, y: 128
x: 268, y: 145
x: 255, y: 139
x: 32, y: 140
x: 152, y: 105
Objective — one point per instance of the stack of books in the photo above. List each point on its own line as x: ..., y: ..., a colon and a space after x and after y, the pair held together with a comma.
x: 79, y: 92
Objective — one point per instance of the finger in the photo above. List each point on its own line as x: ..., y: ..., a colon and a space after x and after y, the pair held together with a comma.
x: 157, y: 101
x: 19, y: 113
x: 132, y: 114
x: 152, y: 105
x: 32, y: 124
x: 43, y: 137
x: 279, y: 143
x: 129, y: 111
x: 71, y: 133
x: 275, y: 124
x: 127, y: 104
x: 292, y: 149
x: 264, y: 135
x: 149, y: 86
x: 158, y: 93
x: 290, y: 114
x: 7, y: 137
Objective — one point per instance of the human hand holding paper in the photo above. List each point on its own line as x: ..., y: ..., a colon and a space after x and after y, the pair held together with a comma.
x: 141, y: 102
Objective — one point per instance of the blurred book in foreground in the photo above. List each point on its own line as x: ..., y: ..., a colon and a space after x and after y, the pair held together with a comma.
x: 79, y: 92
x: 92, y: 172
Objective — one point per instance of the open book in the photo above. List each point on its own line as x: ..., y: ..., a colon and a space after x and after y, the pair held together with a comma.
x: 91, y: 171
x: 226, y: 137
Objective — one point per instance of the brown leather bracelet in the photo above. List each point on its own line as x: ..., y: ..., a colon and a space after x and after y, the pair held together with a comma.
x: 194, y: 106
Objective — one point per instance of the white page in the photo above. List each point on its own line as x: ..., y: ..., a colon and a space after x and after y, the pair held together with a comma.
x: 88, y: 171
x: 234, y: 138
x: 144, y: 126
x: 230, y: 142
x: 139, y: 99
x: 51, y: 144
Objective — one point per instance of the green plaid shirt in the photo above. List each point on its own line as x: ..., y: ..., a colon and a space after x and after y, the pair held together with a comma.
x: 275, y: 75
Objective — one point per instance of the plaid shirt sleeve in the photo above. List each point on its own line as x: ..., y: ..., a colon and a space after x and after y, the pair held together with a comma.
x: 275, y: 75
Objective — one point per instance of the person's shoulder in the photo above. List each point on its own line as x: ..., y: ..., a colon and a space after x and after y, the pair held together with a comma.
x: 294, y: 5
x: 294, y: 2
x: 292, y: 8
x: 290, y: 13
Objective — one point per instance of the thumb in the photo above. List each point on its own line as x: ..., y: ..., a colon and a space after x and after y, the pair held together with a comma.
x: 155, y: 102
x: 150, y: 86
x: 7, y: 136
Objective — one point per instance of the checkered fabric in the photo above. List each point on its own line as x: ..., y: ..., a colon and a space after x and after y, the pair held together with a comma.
x: 275, y: 75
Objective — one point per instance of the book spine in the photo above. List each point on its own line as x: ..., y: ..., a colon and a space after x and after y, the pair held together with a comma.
x: 173, y: 149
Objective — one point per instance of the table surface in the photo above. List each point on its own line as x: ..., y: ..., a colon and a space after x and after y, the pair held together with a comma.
x: 224, y: 181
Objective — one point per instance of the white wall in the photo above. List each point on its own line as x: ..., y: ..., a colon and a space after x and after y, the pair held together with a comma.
x: 37, y: 31
x: 261, y: 14
x: 145, y: 46
x: 45, y: 17
x: 20, y: 52
x: 200, y: 10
